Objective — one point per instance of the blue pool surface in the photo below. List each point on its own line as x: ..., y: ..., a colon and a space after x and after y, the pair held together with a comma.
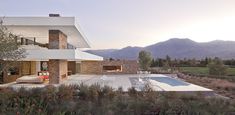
x: 169, y: 81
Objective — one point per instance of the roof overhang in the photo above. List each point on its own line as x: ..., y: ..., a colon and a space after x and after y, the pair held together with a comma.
x: 64, y: 54
x: 39, y: 27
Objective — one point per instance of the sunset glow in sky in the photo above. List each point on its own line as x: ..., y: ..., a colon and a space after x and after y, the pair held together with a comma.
x: 121, y: 23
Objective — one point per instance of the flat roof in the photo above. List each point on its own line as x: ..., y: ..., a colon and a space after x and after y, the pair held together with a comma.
x: 39, y: 27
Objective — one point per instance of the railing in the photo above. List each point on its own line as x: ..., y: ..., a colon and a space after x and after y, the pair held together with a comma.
x: 32, y: 41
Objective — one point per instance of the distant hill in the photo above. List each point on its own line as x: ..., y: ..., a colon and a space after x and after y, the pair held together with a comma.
x: 175, y: 48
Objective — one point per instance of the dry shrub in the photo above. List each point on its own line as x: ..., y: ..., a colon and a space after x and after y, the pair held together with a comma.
x: 94, y: 99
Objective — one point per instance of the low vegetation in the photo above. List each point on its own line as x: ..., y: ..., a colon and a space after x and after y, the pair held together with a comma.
x: 97, y: 100
x: 220, y: 86
x: 204, y: 70
x: 208, y: 67
x: 195, y: 70
x: 217, y: 67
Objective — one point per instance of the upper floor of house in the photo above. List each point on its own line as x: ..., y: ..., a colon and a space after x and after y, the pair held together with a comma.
x: 34, y: 31
x: 52, y: 37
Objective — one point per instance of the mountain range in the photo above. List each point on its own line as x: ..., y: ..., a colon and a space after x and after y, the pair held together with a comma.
x: 175, y: 48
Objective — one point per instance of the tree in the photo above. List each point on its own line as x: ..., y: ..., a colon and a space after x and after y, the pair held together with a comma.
x: 166, y: 65
x: 145, y: 59
x: 153, y: 63
x: 10, y: 51
x: 193, y: 62
x: 168, y: 59
x: 160, y: 62
x: 206, y: 61
x: 216, y: 67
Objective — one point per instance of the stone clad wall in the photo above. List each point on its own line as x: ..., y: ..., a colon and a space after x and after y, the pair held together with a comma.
x: 57, y: 68
x: 128, y: 66
x: 91, y: 67
x: 54, y: 71
x: 96, y: 67
x: 57, y: 40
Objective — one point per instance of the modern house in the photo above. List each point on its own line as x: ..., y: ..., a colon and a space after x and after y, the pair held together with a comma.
x: 53, y: 52
x: 52, y: 47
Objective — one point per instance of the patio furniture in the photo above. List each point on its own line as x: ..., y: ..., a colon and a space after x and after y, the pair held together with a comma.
x: 44, y: 77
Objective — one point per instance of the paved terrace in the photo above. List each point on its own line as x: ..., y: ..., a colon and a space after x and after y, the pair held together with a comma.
x: 157, y: 81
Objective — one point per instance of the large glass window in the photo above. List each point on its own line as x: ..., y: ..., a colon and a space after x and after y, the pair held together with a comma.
x: 70, y: 46
x: 13, y: 71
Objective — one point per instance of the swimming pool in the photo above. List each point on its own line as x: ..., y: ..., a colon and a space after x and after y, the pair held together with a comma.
x: 170, y: 81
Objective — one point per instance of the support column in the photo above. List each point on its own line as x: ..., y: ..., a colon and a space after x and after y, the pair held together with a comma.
x: 57, y: 67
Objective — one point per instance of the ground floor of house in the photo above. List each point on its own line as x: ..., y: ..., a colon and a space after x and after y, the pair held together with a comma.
x: 64, y: 68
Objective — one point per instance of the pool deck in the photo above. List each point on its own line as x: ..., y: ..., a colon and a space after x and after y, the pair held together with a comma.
x: 157, y: 82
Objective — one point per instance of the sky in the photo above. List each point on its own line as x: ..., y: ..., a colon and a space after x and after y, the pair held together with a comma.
x: 120, y: 23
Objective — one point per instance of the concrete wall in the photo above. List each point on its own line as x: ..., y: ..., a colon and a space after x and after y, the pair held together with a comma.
x: 96, y: 67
